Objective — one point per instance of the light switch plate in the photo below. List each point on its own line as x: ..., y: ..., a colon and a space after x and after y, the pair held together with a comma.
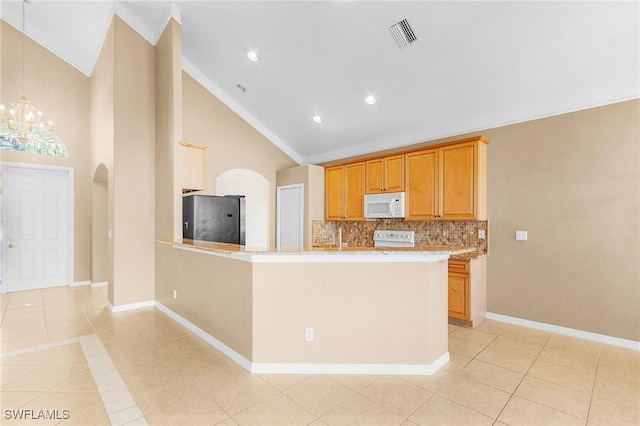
x: 521, y: 235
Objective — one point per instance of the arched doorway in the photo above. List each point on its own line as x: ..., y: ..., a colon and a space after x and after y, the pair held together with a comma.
x: 256, y: 189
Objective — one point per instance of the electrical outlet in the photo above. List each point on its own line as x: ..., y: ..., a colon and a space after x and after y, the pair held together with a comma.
x: 482, y: 234
x: 175, y: 293
x: 521, y: 235
x: 308, y: 334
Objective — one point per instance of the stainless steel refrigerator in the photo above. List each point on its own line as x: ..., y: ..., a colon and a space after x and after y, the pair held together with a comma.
x: 214, y: 218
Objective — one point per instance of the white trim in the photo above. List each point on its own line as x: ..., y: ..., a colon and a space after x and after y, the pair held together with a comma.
x: 565, y: 331
x: 129, y: 306
x: 216, y: 91
x: 71, y: 218
x: 100, y: 284
x: 379, y: 369
x: 233, y: 355
x: 79, y: 283
x: 279, y: 190
x: 306, y: 368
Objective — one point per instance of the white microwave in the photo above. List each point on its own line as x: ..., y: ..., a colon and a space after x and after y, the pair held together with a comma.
x: 390, y: 205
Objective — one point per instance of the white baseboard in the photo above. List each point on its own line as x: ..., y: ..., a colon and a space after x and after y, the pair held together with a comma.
x: 235, y: 356
x: 92, y: 284
x: 565, y: 331
x: 130, y: 306
x: 306, y: 368
x: 378, y: 369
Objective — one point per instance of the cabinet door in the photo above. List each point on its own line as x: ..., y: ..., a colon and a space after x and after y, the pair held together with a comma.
x: 458, y: 194
x: 193, y: 166
x: 334, y: 193
x: 354, y: 175
x: 394, y: 173
x: 374, y: 176
x: 421, y: 184
x: 459, y: 296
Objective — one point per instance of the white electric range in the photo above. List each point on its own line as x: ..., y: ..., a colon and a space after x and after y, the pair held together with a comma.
x: 391, y: 238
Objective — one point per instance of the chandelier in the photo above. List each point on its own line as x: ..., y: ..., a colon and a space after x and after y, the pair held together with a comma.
x: 22, y: 127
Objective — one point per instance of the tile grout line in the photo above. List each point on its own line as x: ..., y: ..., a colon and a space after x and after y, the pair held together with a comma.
x: 116, y: 398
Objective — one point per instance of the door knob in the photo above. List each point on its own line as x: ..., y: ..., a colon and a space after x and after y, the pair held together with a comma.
x: 11, y: 246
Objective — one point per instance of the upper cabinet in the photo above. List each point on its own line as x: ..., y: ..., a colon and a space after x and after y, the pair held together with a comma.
x: 422, y: 195
x: 344, y: 192
x: 448, y: 182
x: 442, y: 182
x: 385, y: 174
x: 193, y: 166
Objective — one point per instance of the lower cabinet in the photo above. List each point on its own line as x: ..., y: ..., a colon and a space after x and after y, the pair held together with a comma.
x: 468, y: 291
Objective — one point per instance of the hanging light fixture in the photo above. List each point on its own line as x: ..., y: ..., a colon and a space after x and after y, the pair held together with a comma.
x: 22, y: 127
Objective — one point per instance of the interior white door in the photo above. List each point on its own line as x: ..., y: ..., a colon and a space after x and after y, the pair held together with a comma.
x: 290, y: 216
x: 37, y: 225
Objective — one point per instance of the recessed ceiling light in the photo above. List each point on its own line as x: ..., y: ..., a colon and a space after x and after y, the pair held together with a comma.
x: 317, y: 119
x: 370, y: 99
x: 240, y: 88
x: 252, y: 55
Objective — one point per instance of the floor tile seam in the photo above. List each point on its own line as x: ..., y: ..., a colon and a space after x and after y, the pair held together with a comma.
x: 539, y: 403
x: 377, y: 403
x: 407, y: 419
x: 231, y: 416
x: 315, y: 416
x: 488, y: 384
x: 524, y: 375
x: 585, y: 419
x: 568, y: 367
x: 37, y: 348
x: 96, y: 354
x: 593, y: 386
x: 470, y: 408
x: 590, y: 393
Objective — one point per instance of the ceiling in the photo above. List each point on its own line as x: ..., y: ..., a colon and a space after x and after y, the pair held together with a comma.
x: 475, y: 65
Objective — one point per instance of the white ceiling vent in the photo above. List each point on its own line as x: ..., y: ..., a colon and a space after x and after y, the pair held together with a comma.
x: 403, y: 34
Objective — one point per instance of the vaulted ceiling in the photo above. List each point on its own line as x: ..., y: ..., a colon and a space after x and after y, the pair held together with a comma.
x: 474, y: 65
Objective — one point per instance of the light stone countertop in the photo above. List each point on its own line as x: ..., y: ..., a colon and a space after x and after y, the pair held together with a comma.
x: 328, y: 254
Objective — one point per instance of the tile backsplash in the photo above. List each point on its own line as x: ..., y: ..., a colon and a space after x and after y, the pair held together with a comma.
x: 428, y: 233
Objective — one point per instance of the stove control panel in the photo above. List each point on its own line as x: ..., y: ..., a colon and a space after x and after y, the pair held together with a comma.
x: 390, y: 238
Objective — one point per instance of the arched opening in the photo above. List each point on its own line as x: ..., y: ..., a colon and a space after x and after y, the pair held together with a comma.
x: 256, y: 189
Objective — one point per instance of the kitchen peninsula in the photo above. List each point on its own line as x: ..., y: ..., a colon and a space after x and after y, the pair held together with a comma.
x: 318, y: 310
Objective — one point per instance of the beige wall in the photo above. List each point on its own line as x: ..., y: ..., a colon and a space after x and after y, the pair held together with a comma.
x: 168, y: 74
x: 213, y: 293
x: 573, y: 182
x: 62, y: 93
x: 102, y: 140
x: 386, y: 312
x: 232, y: 142
x: 134, y: 167
x: 312, y: 177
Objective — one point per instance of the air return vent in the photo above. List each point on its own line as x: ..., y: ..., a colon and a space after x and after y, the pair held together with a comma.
x: 403, y: 34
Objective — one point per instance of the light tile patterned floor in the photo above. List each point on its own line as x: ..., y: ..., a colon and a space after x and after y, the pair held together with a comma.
x: 63, y: 350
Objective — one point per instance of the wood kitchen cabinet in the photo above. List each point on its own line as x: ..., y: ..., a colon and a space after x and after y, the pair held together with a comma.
x: 385, y: 174
x: 344, y: 192
x: 193, y: 166
x: 448, y: 182
x: 468, y: 291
